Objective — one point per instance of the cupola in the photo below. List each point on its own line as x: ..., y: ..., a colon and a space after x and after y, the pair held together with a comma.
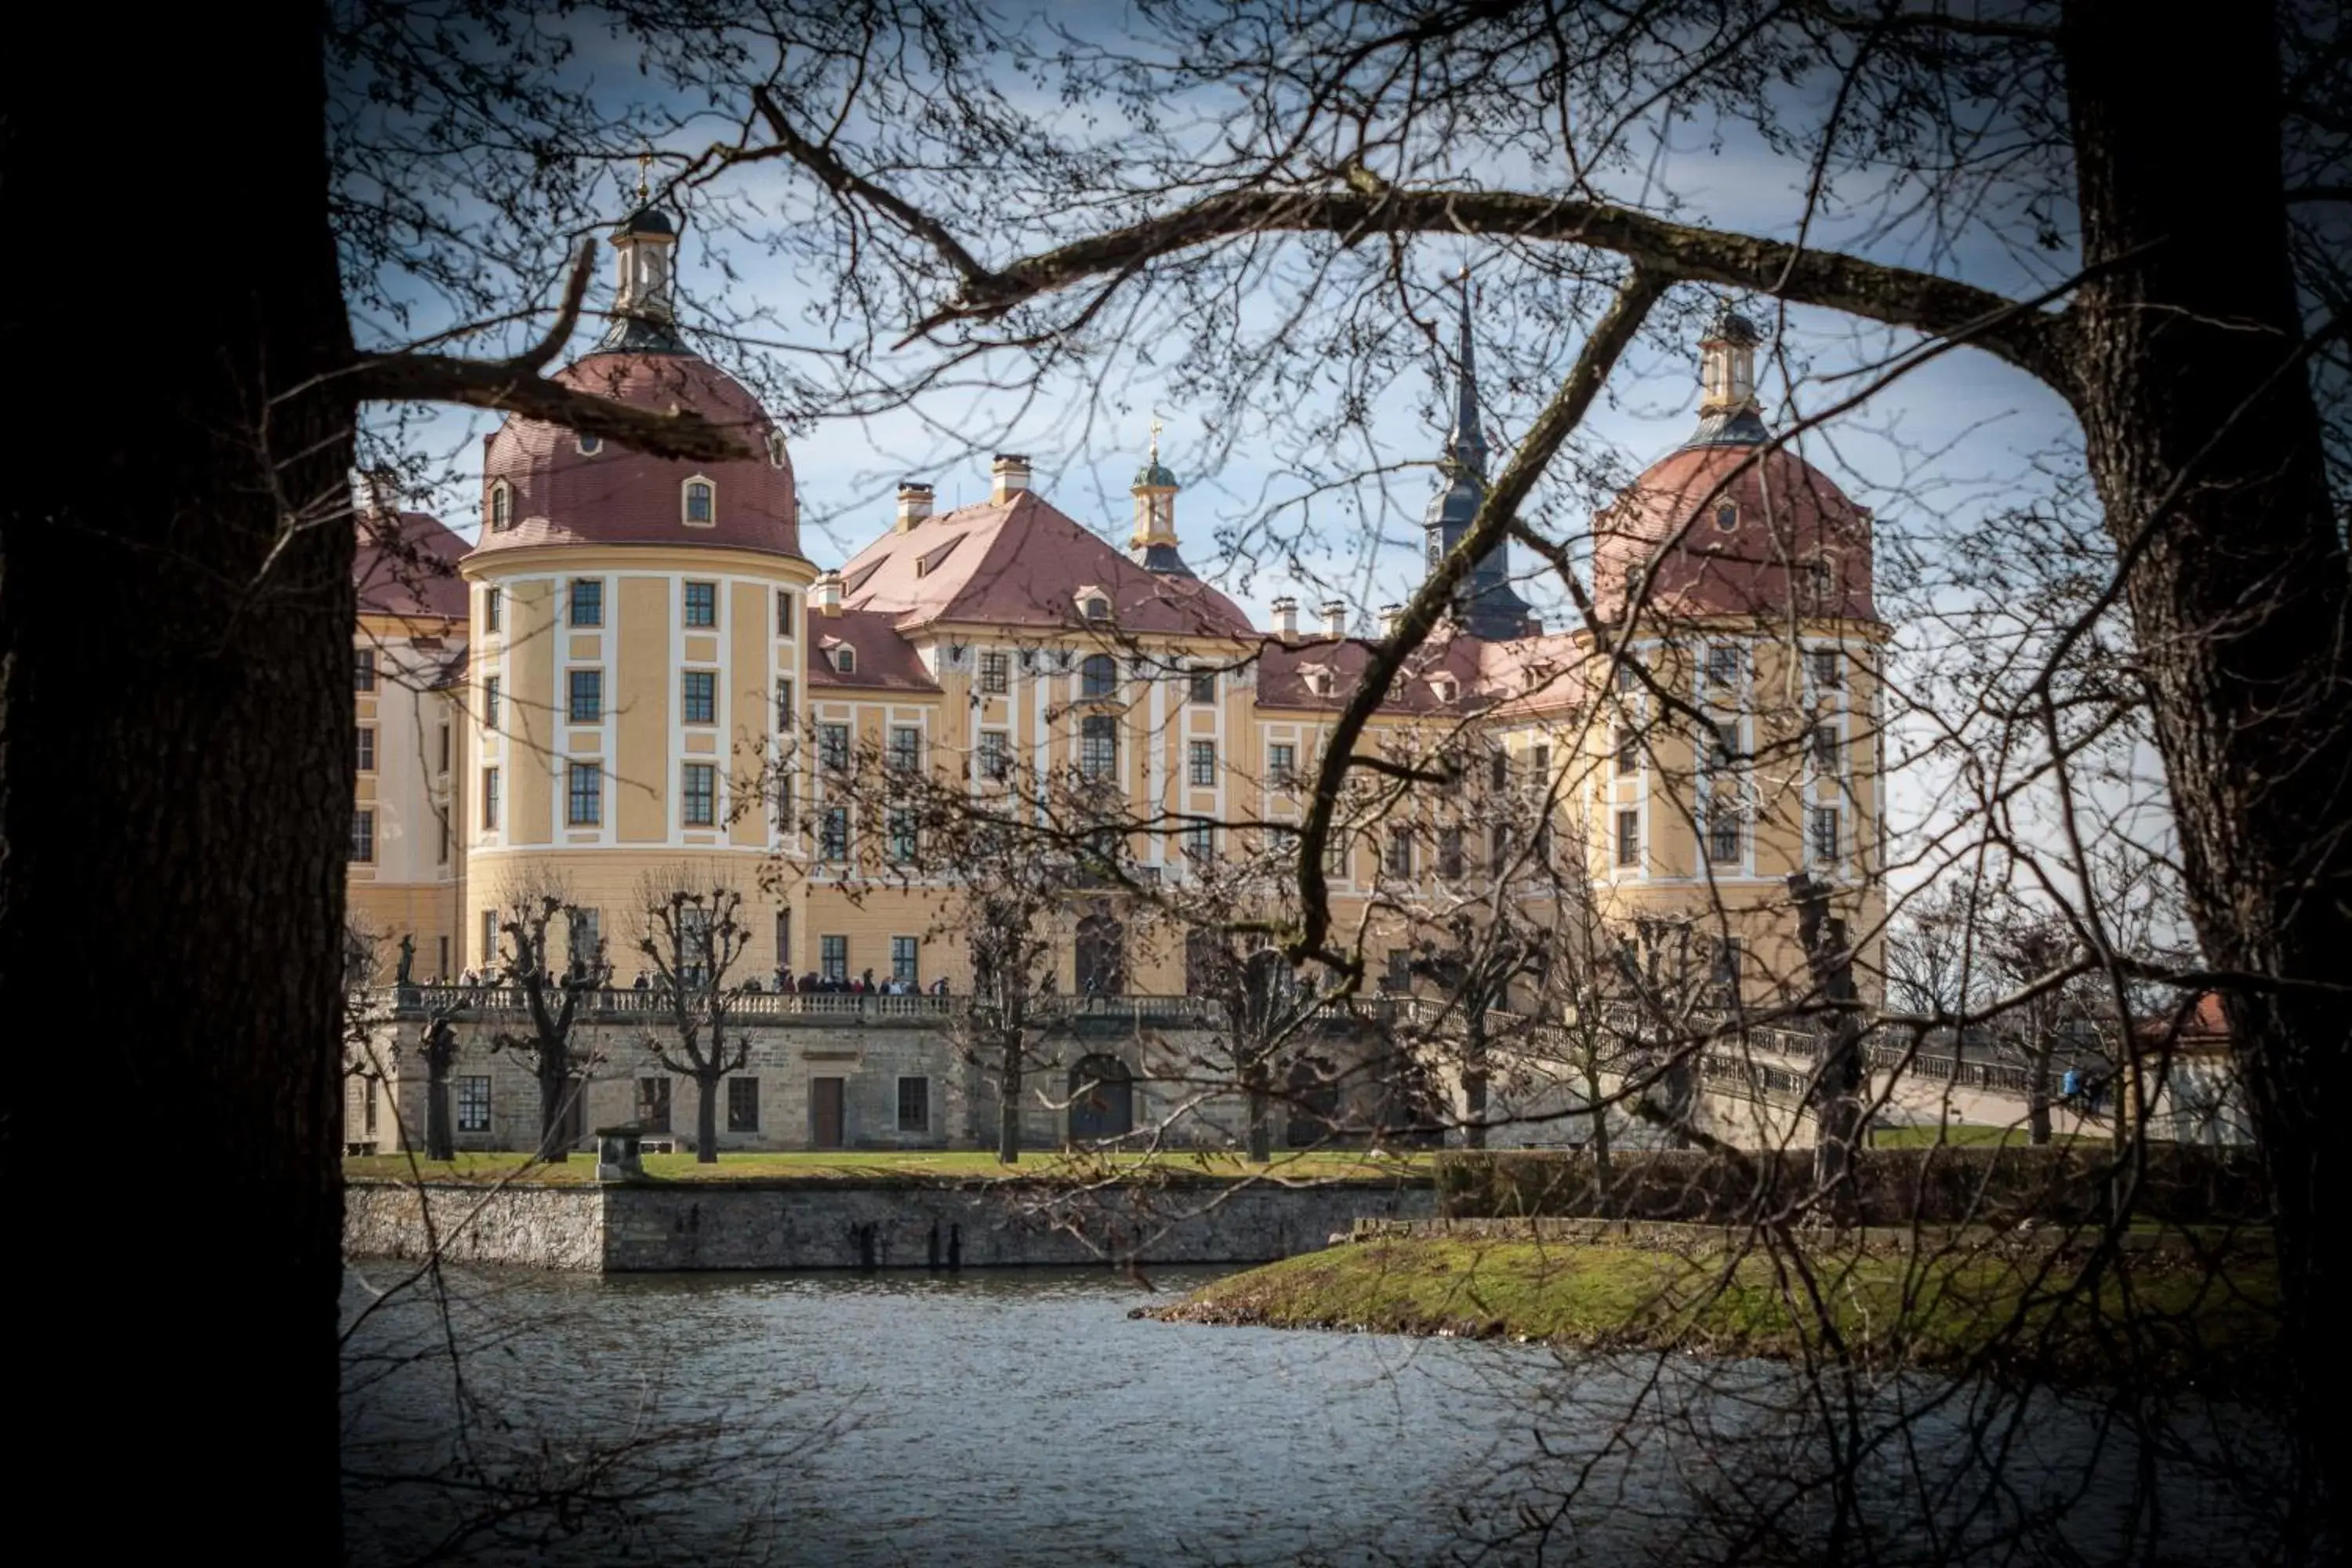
x: 1152, y: 545
x: 1728, y: 412
x: 644, y: 309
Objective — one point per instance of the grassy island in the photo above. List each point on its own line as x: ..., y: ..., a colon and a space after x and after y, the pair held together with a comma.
x: 2165, y: 1316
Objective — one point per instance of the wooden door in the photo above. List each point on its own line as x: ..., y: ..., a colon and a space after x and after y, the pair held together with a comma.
x: 825, y: 1114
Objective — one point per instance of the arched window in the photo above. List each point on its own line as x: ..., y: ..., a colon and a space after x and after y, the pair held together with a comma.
x: 591, y: 445
x: 501, y: 507
x: 1096, y: 608
x: 776, y: 449
x: 701, y: 503
x: 1098, y: 677
x: 1101, y: 954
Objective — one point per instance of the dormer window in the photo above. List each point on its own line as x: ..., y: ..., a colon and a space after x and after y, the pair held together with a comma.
x: 1818, y: 580
x: 591, y: 445
x: 1443, y: 685
x: 1319, y: 680
x: 700, y: 503
x: 844, y: 659
x: 1095, y: 608
x: 776, y: 449
x: 1726, y: 517
x: 501, y: 506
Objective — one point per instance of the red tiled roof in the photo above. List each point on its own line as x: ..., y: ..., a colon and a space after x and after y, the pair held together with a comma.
x: 1790, y: 514
x: 1283, y: 670
x: 565, y: 496
x: 406, y: 565
x: 885, y: 660
x: 1020, y: 562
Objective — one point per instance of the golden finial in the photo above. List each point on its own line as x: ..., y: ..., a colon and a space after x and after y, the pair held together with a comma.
x: 644, y: 181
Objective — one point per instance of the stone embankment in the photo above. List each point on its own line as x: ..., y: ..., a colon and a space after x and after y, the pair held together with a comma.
x: 831, y: 1224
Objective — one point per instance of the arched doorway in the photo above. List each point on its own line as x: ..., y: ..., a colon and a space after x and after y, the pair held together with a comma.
x: 1102, y: 1099
x: 1101, y: 954
x: 1313, y: 1097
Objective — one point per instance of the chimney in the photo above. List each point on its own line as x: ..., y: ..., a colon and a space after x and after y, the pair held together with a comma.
x: 1391, y: 617
x: 914, y: 503
x: 1007, y: 477
x: 827, y: 594
x: 1335, y: 618
x: 1286, y: 620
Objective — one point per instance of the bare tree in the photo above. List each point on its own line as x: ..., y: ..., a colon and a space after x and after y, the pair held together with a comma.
x: 533, y: 909
x: 691, y: 930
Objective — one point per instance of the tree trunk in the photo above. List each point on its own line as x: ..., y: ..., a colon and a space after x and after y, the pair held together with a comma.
x: 1260, y: 1115
x: 1597, y: 1097
x: 2038, y: 1059
x: 2201, y: 429
x: 1474, y: 1087
x: 1008, y: 1108
x: 440, y: 1139
x: 706, y: 1117
x: 554, y: 1104
x: 175, y: 782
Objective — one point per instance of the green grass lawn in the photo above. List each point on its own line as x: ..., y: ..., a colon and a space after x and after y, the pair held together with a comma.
x: 2155, y: 1321
x: 858, y: 1164
x: 1968, y: 1133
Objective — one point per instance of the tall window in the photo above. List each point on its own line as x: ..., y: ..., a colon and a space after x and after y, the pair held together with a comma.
x: 832, y: 957
x: 699, y: 799
x: 995, y: 754
x: 1099, y: 747
x: 502, y: 508
x: 1201, y: 770
x: 588, y: 602
x: 1825, y: 832
x: 493, y: 609
x: 1629, y: 677
x: 1825, y: 747
x: 474, y: 1104
x: 1722, y: 834
x: 742, y: 1105
x: 1204, y: 686
x: 489, y: 800
x: 1498, y: 771
x: 1398, y: 860
x: 1539, y: 768
x: 445, y: 748
x: 901, y: 835
x: 701, y: 603
x: 1629, y: 839
x: 491, y: 702
x: 490, y: 941
x: 1098, y: 676
x: 363, y: 835
x: 1818, y: 581
x: 1722, y: 740
x: 906, y: 748
x: 832, y: 747
x: 701, y: 502
x: 365, y: 738
x: 587, y: 696
x: 1201, y: 842
x: 1827, y: 671
x: 996, y: 673
x: 833, y: 834
x: 1723, y: 665
x: 914, y: 1105
x: 363, y: 669
x: 787, y: 621
x: 653, y: 1104
x: 788, y: 712
x: 1498, y: 846
x: 1281, y: 763
x: 905, y: 952
x: 784, y: 820
x: 584, y: 795
x: 1629, y: 751
x: 699, y: 695
x: 1335, y: 858
x: 1449, y: 852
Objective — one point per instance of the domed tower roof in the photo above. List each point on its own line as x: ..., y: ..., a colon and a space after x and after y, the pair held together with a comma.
x: 1728, y: 524
x: 542, y: 484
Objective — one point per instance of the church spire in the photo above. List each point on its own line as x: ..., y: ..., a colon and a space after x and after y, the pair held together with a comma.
x: 1465, y: 447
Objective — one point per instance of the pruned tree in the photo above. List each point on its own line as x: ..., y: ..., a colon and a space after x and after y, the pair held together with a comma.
x: 691, y: 931
x: 437, y: 1047
x: 534, y: 907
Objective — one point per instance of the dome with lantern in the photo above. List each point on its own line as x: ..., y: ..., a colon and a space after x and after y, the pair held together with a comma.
x: 1730, y: 523
x: 543, y: 484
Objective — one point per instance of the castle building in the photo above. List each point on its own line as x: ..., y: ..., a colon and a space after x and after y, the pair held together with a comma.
x: 636, y: 667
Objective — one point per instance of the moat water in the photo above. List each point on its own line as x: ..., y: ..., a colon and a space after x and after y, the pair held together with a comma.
x: 1022, y: 1418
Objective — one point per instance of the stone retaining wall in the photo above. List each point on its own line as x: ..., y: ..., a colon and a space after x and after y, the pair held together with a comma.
x: 847, y: 1225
